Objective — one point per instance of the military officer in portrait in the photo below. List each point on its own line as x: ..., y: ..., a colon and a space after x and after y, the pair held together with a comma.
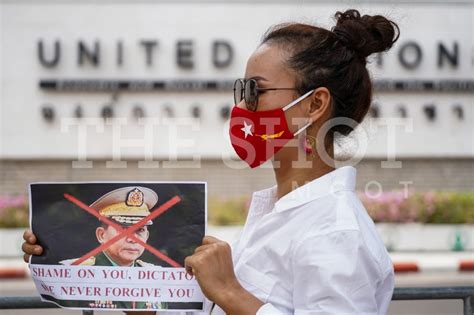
x: 125, y: 206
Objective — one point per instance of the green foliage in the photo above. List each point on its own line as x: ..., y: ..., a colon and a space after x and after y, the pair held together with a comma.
x: 13, y: 212
x: 228, y: 211
x: 454, y: 208
x: 422, y: 207
x: 395, y: 206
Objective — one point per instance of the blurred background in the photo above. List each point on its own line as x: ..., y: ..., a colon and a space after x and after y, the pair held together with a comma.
x: 123, y: 90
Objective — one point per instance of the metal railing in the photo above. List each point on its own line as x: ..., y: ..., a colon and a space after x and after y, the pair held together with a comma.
x: 465, y: 293
x: 28, y: 302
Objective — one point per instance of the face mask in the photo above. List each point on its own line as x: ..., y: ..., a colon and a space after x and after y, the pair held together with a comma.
x: 257, y: 136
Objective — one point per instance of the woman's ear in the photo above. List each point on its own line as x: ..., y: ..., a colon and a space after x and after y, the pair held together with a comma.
x: 320, y: 103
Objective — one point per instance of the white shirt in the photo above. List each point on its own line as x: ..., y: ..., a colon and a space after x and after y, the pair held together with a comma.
x: 314, y: 251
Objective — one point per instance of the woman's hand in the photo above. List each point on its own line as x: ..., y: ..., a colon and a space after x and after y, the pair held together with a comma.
x: 212, y: 266
x: 29, y: 247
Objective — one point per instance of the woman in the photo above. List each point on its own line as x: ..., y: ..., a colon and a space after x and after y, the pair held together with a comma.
x: 308, y: 244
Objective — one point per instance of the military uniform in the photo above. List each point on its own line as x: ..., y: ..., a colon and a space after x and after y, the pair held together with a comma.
x: 125, y: 206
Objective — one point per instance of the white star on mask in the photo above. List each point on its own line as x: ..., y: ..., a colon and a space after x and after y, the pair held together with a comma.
x: 247, y: 129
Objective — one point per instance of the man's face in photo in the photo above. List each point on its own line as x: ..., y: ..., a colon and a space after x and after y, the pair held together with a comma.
x: 126, y: 250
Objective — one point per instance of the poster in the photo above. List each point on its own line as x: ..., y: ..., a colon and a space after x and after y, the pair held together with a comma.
x: 118, y: 245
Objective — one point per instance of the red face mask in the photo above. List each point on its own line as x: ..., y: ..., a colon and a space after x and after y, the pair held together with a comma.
x: 257, y: 136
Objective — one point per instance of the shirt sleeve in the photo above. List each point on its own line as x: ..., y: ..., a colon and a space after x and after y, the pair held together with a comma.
x: 332, y: 275
x: 268, y: 309
x: 385, y: 292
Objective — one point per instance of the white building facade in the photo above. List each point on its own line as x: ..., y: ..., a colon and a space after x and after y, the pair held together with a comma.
x: 141, y: 90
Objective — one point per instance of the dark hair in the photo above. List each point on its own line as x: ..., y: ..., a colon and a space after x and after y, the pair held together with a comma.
x: 103, y: 225
x: 336, y: 59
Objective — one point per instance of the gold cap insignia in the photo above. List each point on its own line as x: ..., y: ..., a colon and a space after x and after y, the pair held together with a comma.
x: 126, y: 205
x: 134, y: 198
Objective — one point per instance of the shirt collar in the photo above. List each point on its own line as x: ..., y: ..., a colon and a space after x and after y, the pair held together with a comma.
x: 110, y: 259
x: 263, y: 201
x: 340, y: 179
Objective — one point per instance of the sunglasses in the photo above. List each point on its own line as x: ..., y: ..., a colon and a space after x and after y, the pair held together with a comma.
x: 248, y: 90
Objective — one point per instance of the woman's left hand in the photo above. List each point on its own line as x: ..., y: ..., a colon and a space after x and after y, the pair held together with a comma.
x: 212, y: 266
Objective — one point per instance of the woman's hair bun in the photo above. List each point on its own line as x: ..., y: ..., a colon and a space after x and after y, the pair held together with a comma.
x: 365, y: 34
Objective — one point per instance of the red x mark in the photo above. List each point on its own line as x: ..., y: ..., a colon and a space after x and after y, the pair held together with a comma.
x: 129, y: 232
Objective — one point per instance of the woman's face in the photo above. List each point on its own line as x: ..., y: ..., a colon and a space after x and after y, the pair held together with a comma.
x: 267, y: 66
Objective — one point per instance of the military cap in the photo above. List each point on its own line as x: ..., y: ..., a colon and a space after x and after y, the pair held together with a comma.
x: 126, y: 205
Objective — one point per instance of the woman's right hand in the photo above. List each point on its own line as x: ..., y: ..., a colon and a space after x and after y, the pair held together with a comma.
x: 30, y: 247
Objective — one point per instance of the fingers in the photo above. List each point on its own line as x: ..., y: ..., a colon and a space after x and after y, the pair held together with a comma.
x: 29, y: 237
x: 210, y: 240
x: 31, y: 249
x: 188, y: 261
x: 201, y: 248
x: 206, y: 242
x: 194, y: 262
x: 211, y: 246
